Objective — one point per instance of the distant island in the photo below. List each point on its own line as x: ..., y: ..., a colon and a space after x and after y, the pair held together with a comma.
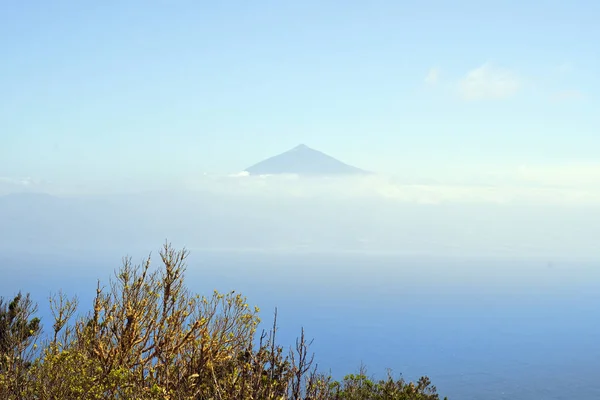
x: 302, y: 160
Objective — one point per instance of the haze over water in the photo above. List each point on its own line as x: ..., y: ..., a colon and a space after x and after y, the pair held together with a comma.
x: 480, y: 328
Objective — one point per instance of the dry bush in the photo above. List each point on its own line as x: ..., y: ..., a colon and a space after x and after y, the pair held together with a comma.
x: 148, y: 337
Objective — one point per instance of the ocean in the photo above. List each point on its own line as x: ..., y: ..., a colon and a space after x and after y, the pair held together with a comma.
x: 495, y: 329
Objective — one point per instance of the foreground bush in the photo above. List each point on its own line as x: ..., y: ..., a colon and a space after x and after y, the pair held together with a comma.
x: 147, y: 337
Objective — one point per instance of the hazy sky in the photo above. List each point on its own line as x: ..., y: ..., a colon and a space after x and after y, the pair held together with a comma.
x: 140, y: 89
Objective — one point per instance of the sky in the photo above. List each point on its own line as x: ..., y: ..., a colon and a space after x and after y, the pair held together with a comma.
x: 148, y: 90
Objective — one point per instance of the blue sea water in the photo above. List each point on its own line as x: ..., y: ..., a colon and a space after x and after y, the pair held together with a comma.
x: 479, y: 328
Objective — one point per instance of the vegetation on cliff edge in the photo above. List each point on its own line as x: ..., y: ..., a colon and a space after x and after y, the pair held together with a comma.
x: 147, y: 337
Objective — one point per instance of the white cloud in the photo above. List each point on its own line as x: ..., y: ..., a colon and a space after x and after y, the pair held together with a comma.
x: 239, y: 174
x: 433, y: 76
x: 553, y: 184
x: 17, y: 181
x: 10, y: 185
x: 540, y: 185
x: 567, y: 95
x: 488, y: 82
x: 576, y: 176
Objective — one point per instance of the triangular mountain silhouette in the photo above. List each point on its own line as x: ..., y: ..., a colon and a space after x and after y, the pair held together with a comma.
x: 303, y: 160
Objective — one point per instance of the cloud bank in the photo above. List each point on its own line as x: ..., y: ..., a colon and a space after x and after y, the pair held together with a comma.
x: 576, y: 184
x: 566, y: 184
x: 527, y: 210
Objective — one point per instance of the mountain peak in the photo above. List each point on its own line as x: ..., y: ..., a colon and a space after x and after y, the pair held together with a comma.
x: 303, y: 160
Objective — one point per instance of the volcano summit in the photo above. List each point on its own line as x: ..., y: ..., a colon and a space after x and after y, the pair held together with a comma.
x: 302, y: 160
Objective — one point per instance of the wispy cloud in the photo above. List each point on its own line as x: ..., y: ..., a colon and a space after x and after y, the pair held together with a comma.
x: 433, y: 76
x: 17, y: 181
x: 567, y: 95
x: 488, y: 82
x: 10, y: 185
x: 564, y: 68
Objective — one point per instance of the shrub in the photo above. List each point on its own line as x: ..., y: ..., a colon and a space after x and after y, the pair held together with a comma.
x: 148, y: 337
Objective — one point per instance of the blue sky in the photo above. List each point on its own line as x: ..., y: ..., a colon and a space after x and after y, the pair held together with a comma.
x: 140, y: 89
